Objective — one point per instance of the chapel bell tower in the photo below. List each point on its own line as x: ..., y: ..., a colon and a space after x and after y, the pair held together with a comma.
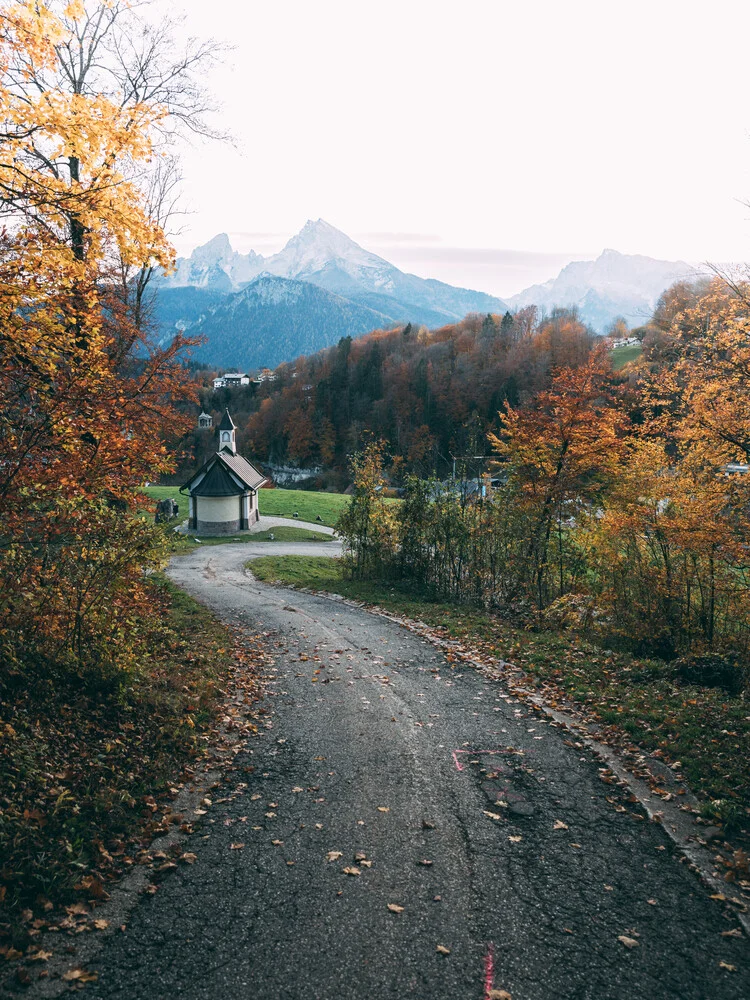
x: 227, y: 434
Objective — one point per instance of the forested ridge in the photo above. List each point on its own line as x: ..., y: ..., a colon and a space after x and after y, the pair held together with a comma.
x: 429, y: 394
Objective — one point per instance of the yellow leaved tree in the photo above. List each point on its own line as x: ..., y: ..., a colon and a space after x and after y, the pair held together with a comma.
x: 86, y: 91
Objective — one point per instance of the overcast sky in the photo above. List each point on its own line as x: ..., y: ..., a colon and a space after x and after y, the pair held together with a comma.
x: 483, y: 142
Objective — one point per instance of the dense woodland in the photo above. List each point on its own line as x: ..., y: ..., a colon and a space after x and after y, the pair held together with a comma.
x: 623, y: 505
x: 430, y: 395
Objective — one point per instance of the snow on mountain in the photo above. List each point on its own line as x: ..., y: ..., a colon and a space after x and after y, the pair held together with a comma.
x: 215, y: 265
x: 614, y: 284
x: 319, y: 245
x: 324, y: 256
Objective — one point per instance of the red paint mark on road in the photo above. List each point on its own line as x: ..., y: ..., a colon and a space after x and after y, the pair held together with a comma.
x: 489, y: 972
x: 459, y: 767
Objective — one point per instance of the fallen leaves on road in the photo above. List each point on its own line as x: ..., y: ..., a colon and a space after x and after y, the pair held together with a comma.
x: 39, y: 956
x: 629, y: 942
x: 559, y: 825
x: 395, y: 908
x: 443, y: 950
x: 727, y: 966
x: 499, y: 995
x: 351, y: 870
x: 277, y: 843
x: 237, y: 847
x: 515, y: 840
x: 189, y: 858
x: 334, y: 855
x: 383, y: 809
x: 735, y: 932
x: 93, y: 887
x: 424, y: 862
x: 492, y: 815
x: 80, y: 976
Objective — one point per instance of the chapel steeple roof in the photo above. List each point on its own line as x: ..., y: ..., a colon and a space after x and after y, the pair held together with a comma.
x: 227, y: 424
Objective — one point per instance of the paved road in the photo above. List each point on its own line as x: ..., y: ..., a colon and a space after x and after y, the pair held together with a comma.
x: 379, y: 749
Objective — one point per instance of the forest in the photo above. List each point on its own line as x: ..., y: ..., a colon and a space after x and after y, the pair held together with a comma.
x: 622, y: 508
x: 430, y: 395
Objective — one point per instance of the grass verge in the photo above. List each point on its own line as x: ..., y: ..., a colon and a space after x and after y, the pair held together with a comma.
x: 277, y: 503
x: 81, y: 773
x: 179, y: 543
x: 704, y: 729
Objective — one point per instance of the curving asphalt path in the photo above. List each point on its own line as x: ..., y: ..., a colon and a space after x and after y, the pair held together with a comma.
x: 377, y: 747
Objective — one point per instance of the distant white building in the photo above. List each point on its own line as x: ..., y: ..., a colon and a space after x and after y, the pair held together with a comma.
x: 231, y: 379
x: 265, y: 375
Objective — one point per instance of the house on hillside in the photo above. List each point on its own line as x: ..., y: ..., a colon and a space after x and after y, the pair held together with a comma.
x: 205, y: 421
x: 265, y: 375
x: 231, y: 379
x: 223, y: 493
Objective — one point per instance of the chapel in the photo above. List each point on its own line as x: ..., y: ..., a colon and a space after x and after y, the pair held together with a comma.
x: 223, y: 493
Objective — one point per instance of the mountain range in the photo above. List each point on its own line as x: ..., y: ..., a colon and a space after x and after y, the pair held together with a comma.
x: 615, y: 284
x: 255, y: 311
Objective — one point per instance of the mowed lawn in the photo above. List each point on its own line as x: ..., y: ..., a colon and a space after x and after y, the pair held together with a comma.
x: 277, y: 503
x: 622, y: 356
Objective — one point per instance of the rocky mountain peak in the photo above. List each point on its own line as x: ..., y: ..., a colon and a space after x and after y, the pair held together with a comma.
x: 217, y: 249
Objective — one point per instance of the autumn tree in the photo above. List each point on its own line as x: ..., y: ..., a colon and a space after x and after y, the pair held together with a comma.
x: 562, y: 450
x: 366, y: 524
x: 83, y: 396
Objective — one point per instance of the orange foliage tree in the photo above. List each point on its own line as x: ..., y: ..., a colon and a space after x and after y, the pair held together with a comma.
x: 671, y: 552
x: 82, y: 393
x: 562, y: 453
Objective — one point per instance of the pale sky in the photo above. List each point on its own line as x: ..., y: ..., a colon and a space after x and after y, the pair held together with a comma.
x: 482, y: 142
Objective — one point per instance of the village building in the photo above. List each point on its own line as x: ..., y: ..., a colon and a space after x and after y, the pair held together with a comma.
x: 265, y: 375
x: 205, y: 421
x: 231, y: 379
x: 223, y: 493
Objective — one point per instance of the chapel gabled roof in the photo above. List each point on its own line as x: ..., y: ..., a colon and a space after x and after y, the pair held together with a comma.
x: 217, y: 482
x: 225, y: 475
x: 242, y: 468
